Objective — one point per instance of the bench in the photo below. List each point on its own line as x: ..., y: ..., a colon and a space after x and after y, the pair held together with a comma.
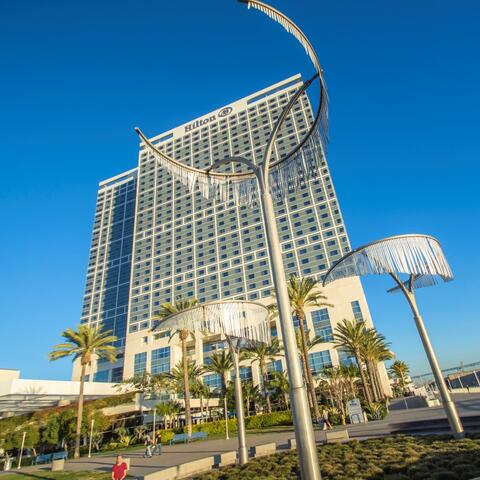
x: 336, y: 436
x: 45, y: 458
x: 262, y: 450
x: 178, y: 438
x: 184, y: 438
x: 63, y: 455
x: 198, y: 436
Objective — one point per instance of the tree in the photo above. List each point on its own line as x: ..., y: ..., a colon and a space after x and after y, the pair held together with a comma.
x: 82, y: 344
x: 303, y: 293
x: 168, y: 410
x: 400, y: 371
x: 373, y: 351
x: 202, y: 392
x: 167, y: 309
x: 251, y: 393
x: 281, y: 385
x: 262, y: 353
x: 351, y: 335
x: 221, y: 364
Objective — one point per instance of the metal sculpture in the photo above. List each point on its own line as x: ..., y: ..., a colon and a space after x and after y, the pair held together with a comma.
x: 422, y: 259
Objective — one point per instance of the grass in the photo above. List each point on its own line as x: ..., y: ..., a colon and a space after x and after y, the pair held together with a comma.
x: 39, y: 475
x: 392, y: 458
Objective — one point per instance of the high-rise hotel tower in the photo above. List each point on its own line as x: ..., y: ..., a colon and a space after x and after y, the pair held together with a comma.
x: 154, y: 241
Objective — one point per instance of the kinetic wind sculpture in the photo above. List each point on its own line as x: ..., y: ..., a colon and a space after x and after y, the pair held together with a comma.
x: 284, y: 175
x: 272, y: 178
x: 239, y: 321
x: 422, y: 259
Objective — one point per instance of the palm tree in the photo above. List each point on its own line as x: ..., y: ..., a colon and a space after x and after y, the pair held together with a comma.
x: 167, y: 309
x: 375, y: 350
x: 82, y: 344
x: 351, y: 335
x: 200, y: 390
x: 281, y: 384
x: 303, y: 294
x: 262, y: 353
x: 167, y: 410
x: 221, y: 364
x: 250, y: 393
x: 400, y: 371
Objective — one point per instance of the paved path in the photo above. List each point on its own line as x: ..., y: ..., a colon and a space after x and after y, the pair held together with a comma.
x: 468, y: 405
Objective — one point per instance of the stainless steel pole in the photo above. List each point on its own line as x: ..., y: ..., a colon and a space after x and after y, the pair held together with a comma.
x: 226, y: 416
x: 21, y: 451
x: 242, y: 440
x: 448, y: 405
x: 91, y: 435
x: 307, y: 449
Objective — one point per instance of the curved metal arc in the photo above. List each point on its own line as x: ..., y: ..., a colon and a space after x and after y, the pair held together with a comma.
x: 224, y: 176
x: 311, y: 53
x: 268, y: 149
x: 202, y: 308
x: 225, y: 161
x: 359, y: 249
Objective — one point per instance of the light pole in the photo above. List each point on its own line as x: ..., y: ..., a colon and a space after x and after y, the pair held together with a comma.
x: 242, y: 439
x: 238, y: 320
x: 21, y: 451
x: 91, y: 436
x: 255, y: 187
x: 422, y: 259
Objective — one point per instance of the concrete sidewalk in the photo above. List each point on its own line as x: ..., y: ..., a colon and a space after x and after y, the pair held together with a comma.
x: 182, y: 453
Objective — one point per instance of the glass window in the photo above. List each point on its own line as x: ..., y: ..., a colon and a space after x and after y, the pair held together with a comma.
x: 322, y: 325
x: 101, y: 376
x: 117, y: 374
x: 357, y: 311
x: 346, y: 357
x: 319, y: 361
x: 160, y: 360
x: 140, y: 363
x: 213, y: 381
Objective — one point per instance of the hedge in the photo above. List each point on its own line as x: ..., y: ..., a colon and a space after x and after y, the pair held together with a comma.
x: 251, y: 423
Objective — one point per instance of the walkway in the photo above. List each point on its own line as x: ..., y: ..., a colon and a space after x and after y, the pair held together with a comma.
x: 181, y: 453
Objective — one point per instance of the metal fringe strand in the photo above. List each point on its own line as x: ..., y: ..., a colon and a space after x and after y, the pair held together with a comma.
x: 291, y: 28
x: 243, y: 320
x: 285, y: 177
x: 419, y: 255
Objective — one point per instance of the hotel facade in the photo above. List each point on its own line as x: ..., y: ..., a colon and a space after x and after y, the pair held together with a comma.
x: 154, y: 241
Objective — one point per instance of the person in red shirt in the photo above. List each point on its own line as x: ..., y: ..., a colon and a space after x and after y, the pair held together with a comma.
x: 119, y: 470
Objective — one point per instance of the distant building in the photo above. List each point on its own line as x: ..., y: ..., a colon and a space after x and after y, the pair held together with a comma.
x: 18, y: 395
x: 153, y: 241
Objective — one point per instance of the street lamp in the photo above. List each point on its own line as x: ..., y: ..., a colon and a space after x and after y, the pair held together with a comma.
x: 422, y: 259
x: 272, y: 178
x: 238, y: 321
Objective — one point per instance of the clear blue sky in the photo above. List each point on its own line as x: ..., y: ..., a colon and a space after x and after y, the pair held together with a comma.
x: 76, y: 77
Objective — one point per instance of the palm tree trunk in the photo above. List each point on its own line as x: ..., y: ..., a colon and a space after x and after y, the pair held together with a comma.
x: 308, y: 372
x: 263, y: 369
x: 186, y: 387
x: 378, y: 383
x: 304, y: 366
x: 363, y: 378
x: 201, y: 407
x: 372, y: 380
x: 78, y: 432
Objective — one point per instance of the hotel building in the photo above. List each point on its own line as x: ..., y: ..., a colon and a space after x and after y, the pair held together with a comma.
x: 154, y: 241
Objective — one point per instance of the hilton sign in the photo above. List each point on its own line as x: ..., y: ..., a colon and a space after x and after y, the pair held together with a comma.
x: 224, y: 112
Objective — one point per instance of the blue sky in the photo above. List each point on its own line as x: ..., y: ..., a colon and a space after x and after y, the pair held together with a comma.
x: 76, y: 77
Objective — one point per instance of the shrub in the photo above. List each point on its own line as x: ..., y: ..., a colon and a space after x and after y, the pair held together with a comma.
x: 269, y: 420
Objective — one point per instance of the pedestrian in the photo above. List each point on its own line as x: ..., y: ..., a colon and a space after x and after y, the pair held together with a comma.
x: 158, y: 444
x: 148, y: 447
x: 325, y: 418
x: 119, y: 470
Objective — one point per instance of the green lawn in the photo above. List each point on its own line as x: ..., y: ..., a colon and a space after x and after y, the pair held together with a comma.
x: 391, y: 458
x: 39, y: 475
